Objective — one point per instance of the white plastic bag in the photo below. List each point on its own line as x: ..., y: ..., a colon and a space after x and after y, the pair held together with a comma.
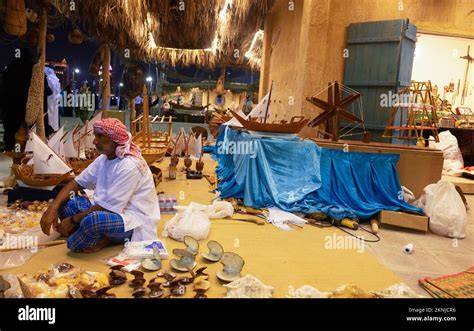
x: 189, y: 221
x: 448, y: 144
x: 446, y: 210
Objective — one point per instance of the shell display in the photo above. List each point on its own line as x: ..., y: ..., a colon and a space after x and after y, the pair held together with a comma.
x: 233, y: 265
x: 186, y: 261
x: 248, y: 287
x: 307, y: 291
x: 215, y: 251
x: 192, y: 245
x: 350, y: 291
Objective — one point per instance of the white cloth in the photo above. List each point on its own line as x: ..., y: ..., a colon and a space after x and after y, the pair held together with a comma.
x: 120, y: 187
x: 53, y: 107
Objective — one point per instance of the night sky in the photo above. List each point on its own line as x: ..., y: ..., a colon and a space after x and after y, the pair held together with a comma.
x: 79, y: 56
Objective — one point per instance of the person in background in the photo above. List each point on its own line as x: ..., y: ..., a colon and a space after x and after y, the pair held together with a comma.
x: 13, y: 97
x: 52, y: 100
x: 84, y: 95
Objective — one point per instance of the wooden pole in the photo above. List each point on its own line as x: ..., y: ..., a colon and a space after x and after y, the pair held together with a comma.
x: 268, y: 103
x: 43, y: 25
x: 105, y: 79
x: 131, y: 105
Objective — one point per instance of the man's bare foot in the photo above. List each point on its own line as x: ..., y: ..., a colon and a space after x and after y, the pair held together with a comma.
x: 101, y: 244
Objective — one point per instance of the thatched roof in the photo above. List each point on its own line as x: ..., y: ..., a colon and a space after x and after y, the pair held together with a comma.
x: 182, y: 32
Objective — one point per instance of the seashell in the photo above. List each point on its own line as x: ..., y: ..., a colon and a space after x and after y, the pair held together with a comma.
x: 186, y: 280
x: 4, y: 285
x: 350, y: 291
x: 200, y: 294
x: 74, y: 292
x: 139, y: 292
x: 117, y: 277
x: 202, y: 285
x: 186, y: 261
x: 152, y: 264
x: 63, y: 267
x: 88, y: 294
x: 215, y: 251
x: 248, y: 287
x: 178, y: 290
x: 192, y: 245
x: 233, y: 265
x: 169, y: 276
x: 137, y: 282
x: 137, y: 274
x: 307, y: 291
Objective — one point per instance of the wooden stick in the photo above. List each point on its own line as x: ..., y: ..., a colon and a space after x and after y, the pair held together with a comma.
x: 43, y: 24
x: 105, y: 80
x: 45, y: 244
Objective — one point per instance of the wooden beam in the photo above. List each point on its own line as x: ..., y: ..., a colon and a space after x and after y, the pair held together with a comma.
x: 43, y: 25
x: 105, y: 79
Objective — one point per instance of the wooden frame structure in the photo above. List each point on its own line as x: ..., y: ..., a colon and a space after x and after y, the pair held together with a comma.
x: 421, y: 115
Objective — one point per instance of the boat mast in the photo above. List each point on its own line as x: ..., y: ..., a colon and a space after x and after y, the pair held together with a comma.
x: 268, y: 103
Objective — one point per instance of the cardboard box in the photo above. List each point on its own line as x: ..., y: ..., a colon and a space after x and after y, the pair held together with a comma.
x: 405, y: 220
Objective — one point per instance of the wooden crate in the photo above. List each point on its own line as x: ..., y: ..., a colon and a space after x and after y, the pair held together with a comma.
x: 404, y: 220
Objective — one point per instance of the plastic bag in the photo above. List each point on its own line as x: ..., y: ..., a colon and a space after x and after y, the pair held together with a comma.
x: 220, y: 209
x: 189, y: 221
x: 448, y: 144
x: 446, y: 210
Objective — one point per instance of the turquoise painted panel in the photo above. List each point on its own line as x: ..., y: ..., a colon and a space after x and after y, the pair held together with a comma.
x: 380, y: 60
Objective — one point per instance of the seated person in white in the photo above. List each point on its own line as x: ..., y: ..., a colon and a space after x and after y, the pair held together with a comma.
x: 125, y: 200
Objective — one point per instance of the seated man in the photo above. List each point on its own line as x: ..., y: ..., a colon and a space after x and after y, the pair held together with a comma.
x: 125, y: 200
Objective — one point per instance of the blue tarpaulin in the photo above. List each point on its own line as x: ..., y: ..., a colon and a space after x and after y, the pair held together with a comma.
x: 298, y: 176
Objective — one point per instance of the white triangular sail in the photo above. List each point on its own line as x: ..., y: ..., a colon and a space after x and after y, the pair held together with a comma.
x: 29, y: 142
x: 55, y: 141
x: 180, y: 142
x: 46, y: 160
x: 198, y: 147
x: 79, y: 140
x: 260, y: 109
x: 89, y: 138
x: 191, y: 144
x: 233, y: 121
x: 69, y: 150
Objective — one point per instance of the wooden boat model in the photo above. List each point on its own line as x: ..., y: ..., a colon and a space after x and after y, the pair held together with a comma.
x: 48, y: 168
x: 296, y: 124
x: 24, y: 173
x: 256, y: 121
x: 153, y: 145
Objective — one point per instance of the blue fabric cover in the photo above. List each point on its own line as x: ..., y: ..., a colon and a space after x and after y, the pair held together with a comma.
x: 299, y: 176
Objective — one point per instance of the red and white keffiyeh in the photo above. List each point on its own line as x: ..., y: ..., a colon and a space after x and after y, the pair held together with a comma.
x: 117, y: 131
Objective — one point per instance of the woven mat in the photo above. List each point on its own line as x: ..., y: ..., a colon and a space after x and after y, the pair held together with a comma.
x: 460, y: 285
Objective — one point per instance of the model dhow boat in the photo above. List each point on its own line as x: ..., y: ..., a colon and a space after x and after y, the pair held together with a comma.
x: 296, y: 124
x: 48, y: 168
